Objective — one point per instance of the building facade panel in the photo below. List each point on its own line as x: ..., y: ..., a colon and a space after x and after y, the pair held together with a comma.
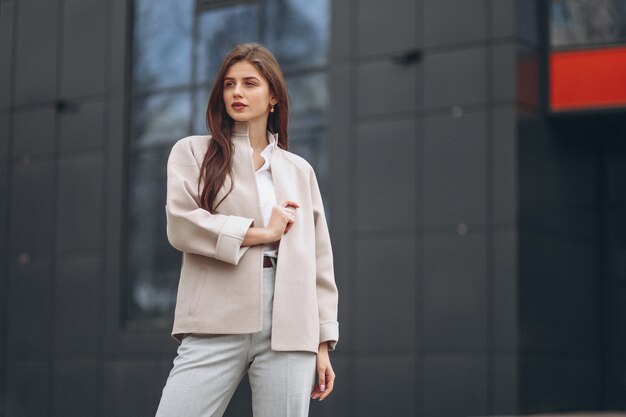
x: 386, y: 294
x: 504, y: 301
x: 80, y: 204
x: 503, y: 196
x: 28, y: 310
x: 4, y: 137
x: 7, y: 30
x: 28, y: 394
x: 384, y: 30
x: 34, y: 131
x: 504, y: 377
x: 32, y: 211
x: 75, y: 388
x: 456, y: 77
x: 82, y: 128
x: 452, y: 22
x: 386, y: 178
x: 129, y: 388
x: 503, y: 71
x: 395, y: 396
x: 37, y: 52
x: 84, y: 48
x: 502, y: 18
x: 455, y: 170
x: 461, y: 377
x: 384, y: 88
x: 491, y: 231
x: 76, y: 312
x: 455, y: 293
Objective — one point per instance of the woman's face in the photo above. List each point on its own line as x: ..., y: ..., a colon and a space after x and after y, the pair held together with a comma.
x: 247, y: 95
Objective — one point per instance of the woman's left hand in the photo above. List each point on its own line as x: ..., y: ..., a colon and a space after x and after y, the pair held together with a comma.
x: 325, y: 374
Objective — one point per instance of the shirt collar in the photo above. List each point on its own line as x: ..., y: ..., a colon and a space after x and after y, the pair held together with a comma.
x: 272, y: 138
x: 241, y: 129
x: 267, y: 152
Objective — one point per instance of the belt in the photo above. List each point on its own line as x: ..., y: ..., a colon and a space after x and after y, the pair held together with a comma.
x: 267, y: 262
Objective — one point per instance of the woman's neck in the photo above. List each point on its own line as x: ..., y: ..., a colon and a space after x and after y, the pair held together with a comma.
x: 257, y: 134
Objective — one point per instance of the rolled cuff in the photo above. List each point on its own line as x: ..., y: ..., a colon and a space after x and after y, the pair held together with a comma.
x: 329, y: 332
x: 231, y: 236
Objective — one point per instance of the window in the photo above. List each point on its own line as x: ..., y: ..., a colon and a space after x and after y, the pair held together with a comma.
x: 587, y: 22
x: 178, y: 46
x: 587, y: 55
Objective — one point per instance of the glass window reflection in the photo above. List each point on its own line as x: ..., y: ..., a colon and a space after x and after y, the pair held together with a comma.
x: 201, y: 99
x: 162, y: 43
x: 297, y: 31
x: 160, y: 118
x: 219, y: 31
x: 152, y: 263
x: 308, y: 99
x: 178, y: 48
x: 586, y: 22
x: 310, y: 143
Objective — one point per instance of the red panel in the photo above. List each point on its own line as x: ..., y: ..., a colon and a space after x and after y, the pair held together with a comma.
x: 588, y: 79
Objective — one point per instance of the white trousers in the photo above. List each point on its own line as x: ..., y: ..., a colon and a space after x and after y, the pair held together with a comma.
x: 208, y: 369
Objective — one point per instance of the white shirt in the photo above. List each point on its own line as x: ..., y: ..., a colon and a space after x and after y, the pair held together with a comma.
x: 267, y: 193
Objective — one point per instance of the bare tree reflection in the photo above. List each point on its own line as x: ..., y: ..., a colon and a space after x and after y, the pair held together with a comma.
x: 162, y: 43
x: 293, y: 36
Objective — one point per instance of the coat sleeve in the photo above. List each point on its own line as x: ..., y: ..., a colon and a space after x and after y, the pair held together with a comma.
x: 191, y: 228
x: 327, y: 295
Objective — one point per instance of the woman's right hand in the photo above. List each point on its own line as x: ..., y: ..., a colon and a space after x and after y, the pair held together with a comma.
x: 282, y: 219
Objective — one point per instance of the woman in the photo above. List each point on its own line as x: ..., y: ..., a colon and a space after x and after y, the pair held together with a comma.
x: 257, y: 293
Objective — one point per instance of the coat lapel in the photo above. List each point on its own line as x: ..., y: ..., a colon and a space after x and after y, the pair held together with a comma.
x: 280, y: 176
x: 284, y: 188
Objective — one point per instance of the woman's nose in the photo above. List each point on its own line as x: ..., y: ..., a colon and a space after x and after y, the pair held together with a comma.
x: 237, y: 91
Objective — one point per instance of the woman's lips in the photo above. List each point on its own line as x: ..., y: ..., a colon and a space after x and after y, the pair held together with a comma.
x: 238, y: 106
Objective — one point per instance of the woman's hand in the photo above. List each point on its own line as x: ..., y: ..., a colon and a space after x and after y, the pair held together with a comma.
x: 325, y: 374
x: 282, y: 219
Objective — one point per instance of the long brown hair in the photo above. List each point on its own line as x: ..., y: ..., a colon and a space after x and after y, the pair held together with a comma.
x: 217, y: 163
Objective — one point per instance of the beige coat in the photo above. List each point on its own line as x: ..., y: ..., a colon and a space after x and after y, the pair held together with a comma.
x: 220, y: 281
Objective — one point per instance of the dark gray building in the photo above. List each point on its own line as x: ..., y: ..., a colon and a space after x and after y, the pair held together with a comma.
x: 479, y: 235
